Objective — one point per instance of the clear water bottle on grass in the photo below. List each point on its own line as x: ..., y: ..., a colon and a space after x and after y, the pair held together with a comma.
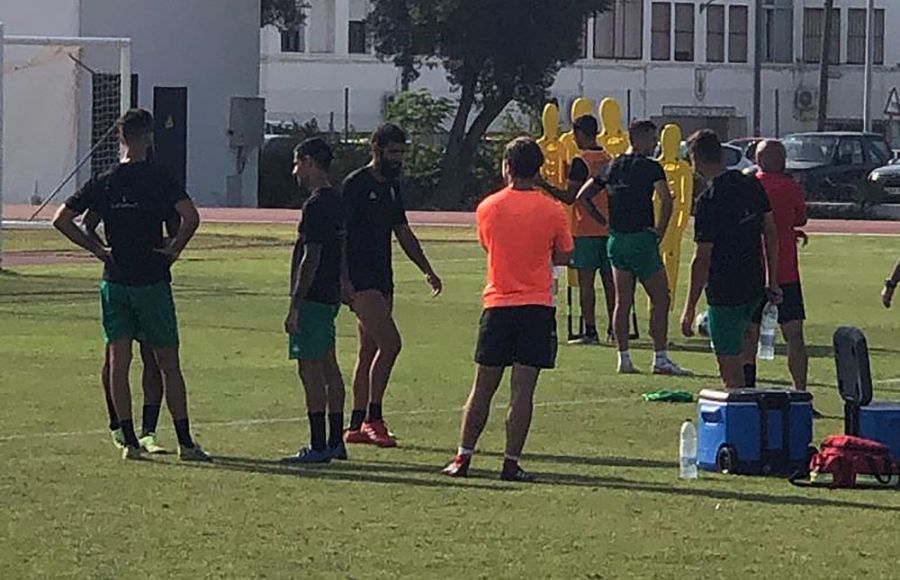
x: 767, y: 332
x: 687, y: 447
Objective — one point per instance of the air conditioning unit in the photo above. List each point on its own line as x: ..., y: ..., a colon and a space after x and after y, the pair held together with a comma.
x: 806, y: 100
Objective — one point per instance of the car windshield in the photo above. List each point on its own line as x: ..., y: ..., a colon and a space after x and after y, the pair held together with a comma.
x: 810, y: 148
x: 881, y: 150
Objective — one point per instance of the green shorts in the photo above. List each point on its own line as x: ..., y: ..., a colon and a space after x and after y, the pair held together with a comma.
x: 316, y: 337
x: 636, y: 252
x: 590, y: 254
x: 145, y: 313
x: 728, y: 325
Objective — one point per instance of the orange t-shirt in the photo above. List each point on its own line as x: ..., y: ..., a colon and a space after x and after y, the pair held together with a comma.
x: 583, y: 223
x: 520, y: 230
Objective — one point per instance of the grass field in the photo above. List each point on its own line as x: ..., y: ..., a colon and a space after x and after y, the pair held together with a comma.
x: 609, y: 504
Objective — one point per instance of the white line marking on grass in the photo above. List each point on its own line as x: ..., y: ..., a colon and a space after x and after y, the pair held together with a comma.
x: 277, y: 421
x: 887, y: 381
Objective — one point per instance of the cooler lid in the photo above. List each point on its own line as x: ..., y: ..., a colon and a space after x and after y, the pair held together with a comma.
x: 754, y: 395
x: 851, y: 358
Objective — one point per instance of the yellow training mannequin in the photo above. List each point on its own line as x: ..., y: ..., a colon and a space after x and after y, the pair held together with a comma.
x: 613, y: 136
x: 554, y: 155
x: 580, y: 107
x: 680, y: 176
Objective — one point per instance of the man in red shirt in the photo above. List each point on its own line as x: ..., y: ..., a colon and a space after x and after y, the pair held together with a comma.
x: 789, y: 210
x: 524, y: 233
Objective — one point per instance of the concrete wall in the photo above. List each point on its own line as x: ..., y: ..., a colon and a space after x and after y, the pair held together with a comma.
x: 209, y: 46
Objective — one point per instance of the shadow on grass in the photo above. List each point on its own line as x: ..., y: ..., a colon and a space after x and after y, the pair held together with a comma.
x: 570, y: 459
x: 595, y: 482
x: 392, y: 473
x: 354, y: 472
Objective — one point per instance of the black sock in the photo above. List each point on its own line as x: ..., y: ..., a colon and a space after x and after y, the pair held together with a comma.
x: 111, y: 411
x: 127, y: 428
x: 335, y: 428
x: 356, y: 419
x: 374, y: 412
x: 750, y: 376
x: 590, y: 330
x: 149, y: 420
x: 317, y: 431
x: 183, y: 432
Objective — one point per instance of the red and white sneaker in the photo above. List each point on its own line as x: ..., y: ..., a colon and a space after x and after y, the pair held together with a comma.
x: 378, y: 434
x: 459, y: 467
x: 356, y: 436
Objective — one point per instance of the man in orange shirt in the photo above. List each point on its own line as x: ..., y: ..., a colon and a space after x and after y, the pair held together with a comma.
x: 524, y: 233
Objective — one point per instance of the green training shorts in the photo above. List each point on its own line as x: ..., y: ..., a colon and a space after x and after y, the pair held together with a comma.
x: 636, y: 252
x: 145, y: 313
x: 316, y: 336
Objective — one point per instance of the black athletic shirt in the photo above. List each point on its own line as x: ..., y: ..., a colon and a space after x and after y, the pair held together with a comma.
x: 134, y: 200
x: 373, y: 210
x: 629, y: 180
x: 322, y: 222
x: 729, y: 214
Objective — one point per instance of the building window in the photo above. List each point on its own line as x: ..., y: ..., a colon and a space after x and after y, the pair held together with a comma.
x: 737, y: 33
x: 661, y: 31
x: 814, y: 28
x: 293, y: 40
x: 778, y: 20
x: 626, y: 16
x: 684, y: 32
x: 856, y: 36
x: 320, y: 20
x: 715, y: 33
x: 583, y: 41
x: 357, y: 37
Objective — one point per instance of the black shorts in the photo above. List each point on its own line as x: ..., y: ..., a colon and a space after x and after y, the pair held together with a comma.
x: 524, y: 335
x: 791, y: 309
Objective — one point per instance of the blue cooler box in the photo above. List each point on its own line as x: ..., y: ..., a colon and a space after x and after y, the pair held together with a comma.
x: 755, y: 431
x: 880, y: 421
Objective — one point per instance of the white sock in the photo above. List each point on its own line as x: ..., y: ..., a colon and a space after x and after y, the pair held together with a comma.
x: 661, y: 356
x: 624, y: 356
x: 465, y: 452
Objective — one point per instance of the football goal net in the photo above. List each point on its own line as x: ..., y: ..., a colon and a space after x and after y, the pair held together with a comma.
x: 59, y: 101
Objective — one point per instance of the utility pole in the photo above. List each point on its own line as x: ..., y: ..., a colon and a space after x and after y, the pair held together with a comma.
x: 757, y: 68
x: 870, y: 60
x: 823, y: 70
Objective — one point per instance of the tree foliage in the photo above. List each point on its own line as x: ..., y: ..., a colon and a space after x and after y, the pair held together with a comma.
x: 284, y: 15
x: 493, y: 51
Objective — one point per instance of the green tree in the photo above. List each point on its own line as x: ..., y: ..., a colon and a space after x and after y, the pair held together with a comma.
x: 493, y: 51
x: 283, y: 14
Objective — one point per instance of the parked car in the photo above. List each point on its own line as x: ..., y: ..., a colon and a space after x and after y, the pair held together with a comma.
x: 888, y: 177
x: 748, y: 145
x: 734, y: 156
x: 830, y: 165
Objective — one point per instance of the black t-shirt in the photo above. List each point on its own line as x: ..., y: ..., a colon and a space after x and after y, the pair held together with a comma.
x: 133, y: 200
x: 579, y: 172
x: 729, y: 214
x: 373, y: 210
x: 322, y: 223
x: 629, y: 180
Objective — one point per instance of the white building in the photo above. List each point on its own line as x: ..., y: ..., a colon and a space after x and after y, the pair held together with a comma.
x: 678, y: 61
x: 206, y: 50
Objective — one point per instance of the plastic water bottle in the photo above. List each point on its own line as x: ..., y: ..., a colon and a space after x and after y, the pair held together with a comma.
x: 687, y: 447
x: 767, y: 332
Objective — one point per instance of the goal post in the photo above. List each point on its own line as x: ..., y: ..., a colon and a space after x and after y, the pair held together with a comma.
x: 59, y: 100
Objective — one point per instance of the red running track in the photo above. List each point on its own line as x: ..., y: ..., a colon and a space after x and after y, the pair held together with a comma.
x: 445, y: 218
